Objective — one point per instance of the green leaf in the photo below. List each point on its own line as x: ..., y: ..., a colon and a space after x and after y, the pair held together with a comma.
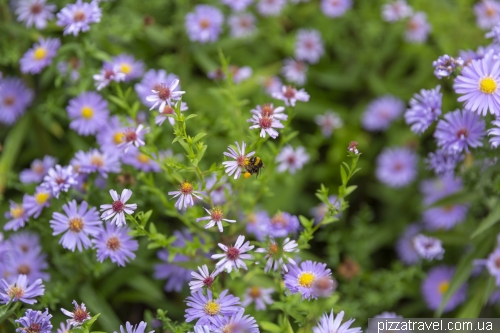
x: 472, y: 308
x: 350, y: 189
x: 270, y: 327
x: 343, y: 175
x: 191, y: 116
x: 118, y: 102
x: 109, y: 321
x: 198, y: 137
x: 490, y: 220
x: 306, y: 222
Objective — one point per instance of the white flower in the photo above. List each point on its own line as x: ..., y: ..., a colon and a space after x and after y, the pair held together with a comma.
x: 203, y: 279
x: 268, y: 110
x: 259, y: 296
x: 290, y: 95
x: 233, y: 255
x: 291, y: 160
x: 240, y: 158
x: 267, y: 124
x: 164, y: 95
x: 275, y: 255
x: 79, y: 315
x: 328, y: 122
x: 215, y: 216
x: 295, y: 71
x: 133, y: 137
x: 309, y: 45
x: 105, y: 76
x: 118, y: 207
x: 327, y: 324
x: 186, y: 194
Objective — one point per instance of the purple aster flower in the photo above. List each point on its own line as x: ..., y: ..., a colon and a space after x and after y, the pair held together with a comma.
x: 77, y: 225
x: 111, y: 135
x: 467, y: 56
x: 215, y: 215
x: 487, y: 13
x: 133, y: 69
x: 381, y: 112
x: 335, y: 8
x: 492, y: 263
x: 118, y: 208
x: 270, y: 7
x: 272, y: 84
x: 88, y: 112
x: 133, y: 137
x: 206, y: 309
x: 129, y: 328
x: 294, y: 71
x: 259, y: 296
x: 140, y: 161
x: 236, y: 323
x: 37, y: 202
x: 438, y: 188
x: 204, y: 24
x: 282, y: 224
x: 97, y: 161
x: 15, y: 97
x: 267, y: 124
x: 168, y: 110
x: 237, y: 5
x: 291, y: 160
x: 163, y: 95
x: 35, y: 321
x: 309, y: 45
x: 59, y: 179
x: 479, y: 83
x: 185, y: 194
x: 436, y: 284
x: 218, y: 189
x: 396, y: 11
x: 17, y: 214
x: 388, y: 315
x: 20, y: 290
x: 328, y: 122
x: 424, y: 109
x: 417, y: 28
x: 30, y: 262
x: 107, y: 74
x: 204, y: 278
x: 428, y: 247
x: 176, y: 276
x: 443, y: 162
x: 25, y: 243
x: 241, y: 24
x: 494, y: 132
x: 302, y: 278
x: 290, y: 95
x: 37, y: 170
x: 258, y: 224
x: 40, y: 55
x: 276, y: 254
x: 444, y: 217
x: 240, y: 74
x: 396, y: 167
x: 35, y: 13
x: 234, y: 255
x: 78, y: 316
x: 78, y: 16
x: 446, y: 65
x: 494, y: 33
x: 460, y: 130
x: 330, y: 323
x: 240, y: 157
x: 152, y: 80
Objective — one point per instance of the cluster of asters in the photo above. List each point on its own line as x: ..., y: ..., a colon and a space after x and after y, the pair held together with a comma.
x: 417, y: 26
x: 476, y: 78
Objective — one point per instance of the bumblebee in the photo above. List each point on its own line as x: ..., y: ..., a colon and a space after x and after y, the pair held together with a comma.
x: 253, y: 166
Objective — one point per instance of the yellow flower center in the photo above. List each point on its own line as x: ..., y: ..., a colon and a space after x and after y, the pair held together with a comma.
x: 42, y: 197
x: 211, y: 308
x: 40, y: 53
x: 306, y: 279
x: 487, y: 85
x: 76, y: 224
x: 15, y: 291
x: 443, y: 287
x: 97, y: 160
x: 255, y: 292
x: 126, y: 68
x: 142, y: 158
x: 186, y: 187
x: 87, y: 112
x: 118, y: 138
x: 17, y: 211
